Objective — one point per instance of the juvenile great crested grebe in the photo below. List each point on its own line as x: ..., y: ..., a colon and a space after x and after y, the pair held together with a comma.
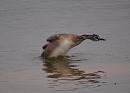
x: 60, y: 44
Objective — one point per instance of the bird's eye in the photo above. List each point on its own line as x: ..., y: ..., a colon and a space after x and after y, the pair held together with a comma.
x: 96, y: 37
x: 80, y: 37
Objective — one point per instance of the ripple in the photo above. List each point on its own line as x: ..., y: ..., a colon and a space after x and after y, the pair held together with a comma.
x: 64, y: 75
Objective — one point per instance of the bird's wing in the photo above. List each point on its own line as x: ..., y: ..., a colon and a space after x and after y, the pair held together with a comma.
x: 54, y: 37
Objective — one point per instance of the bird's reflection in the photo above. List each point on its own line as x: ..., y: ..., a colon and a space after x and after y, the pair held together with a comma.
x: 62, y: 68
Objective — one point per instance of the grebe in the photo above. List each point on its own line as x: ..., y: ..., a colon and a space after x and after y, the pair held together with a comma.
x: 60, y: 44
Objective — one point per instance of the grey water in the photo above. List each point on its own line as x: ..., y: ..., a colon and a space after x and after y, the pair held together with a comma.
x: 93, y: 67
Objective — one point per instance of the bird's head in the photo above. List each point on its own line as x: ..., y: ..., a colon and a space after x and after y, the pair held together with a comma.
x: 93, y: 37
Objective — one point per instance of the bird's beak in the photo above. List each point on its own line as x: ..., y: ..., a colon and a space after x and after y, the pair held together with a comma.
x: 95, y: 37
x: 102, y: 39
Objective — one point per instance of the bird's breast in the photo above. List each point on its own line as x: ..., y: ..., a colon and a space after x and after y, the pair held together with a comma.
x: 62, y: 49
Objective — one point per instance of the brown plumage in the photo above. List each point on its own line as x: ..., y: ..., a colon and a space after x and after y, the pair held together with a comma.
x: 60, y: 44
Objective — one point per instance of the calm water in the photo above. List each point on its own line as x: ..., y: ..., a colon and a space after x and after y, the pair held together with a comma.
x: 93, y: 67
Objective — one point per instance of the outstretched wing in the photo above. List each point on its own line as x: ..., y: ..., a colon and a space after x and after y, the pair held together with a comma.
x: 54, y: 37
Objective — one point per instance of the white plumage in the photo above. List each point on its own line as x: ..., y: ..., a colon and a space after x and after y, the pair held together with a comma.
x: 62, y: 49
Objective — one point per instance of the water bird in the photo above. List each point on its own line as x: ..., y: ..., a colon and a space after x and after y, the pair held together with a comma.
x: 60, y: 44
